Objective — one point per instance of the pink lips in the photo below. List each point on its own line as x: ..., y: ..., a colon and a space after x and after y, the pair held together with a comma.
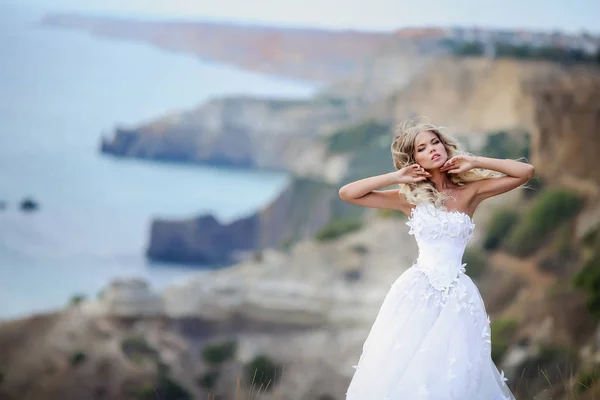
x: 435, y: 157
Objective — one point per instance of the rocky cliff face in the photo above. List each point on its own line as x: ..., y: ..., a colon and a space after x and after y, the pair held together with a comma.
x: 310, y: 307
x: 557, y: 104
x: 244, y: 132
x: 566, y: 129
x: 391, y: 68
x: 299, y: 211
x: 470, y: 96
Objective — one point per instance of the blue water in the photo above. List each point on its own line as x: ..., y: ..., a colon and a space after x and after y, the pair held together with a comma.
x: 60, y: 90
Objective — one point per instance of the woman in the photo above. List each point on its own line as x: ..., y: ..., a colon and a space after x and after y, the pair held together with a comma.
x: 431, y: 337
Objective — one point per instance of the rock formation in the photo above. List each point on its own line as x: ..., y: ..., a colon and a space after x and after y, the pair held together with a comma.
x: 242, y: 132
x: 299, y: 211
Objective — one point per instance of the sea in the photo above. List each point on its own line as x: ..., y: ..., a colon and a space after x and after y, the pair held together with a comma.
x: 61, y: 90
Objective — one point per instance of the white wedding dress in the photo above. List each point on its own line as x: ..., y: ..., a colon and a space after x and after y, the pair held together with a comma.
x: 431, y: 337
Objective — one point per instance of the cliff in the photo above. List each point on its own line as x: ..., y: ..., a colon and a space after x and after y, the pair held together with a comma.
x: 472, y: 97
x: 300, y: 309
x: 566, y: 128
x: 318, y: 55
x: 301, y: 210
x: 557, y: 104
x: 242, y: 132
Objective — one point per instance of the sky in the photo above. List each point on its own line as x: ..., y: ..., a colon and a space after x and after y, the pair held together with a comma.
x: 547, y: 15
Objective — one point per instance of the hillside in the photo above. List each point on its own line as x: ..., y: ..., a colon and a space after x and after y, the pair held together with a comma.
x: 342, y: 141
x: 299, y: 306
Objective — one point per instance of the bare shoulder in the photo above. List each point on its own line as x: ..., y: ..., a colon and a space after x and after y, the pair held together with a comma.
x: 490, y: 187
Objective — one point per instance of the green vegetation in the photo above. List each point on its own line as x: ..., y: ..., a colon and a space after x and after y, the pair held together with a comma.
x: 524, y: 52
x: 77, y: 299
x: 475, y: 260
x: 372, y: 159
x: 549, y: 211
x: 137, y: 349
x: 501, y: 223
x: 216, y: 354
x: 592, y: 237
x: 503, y: 331
x: 332, y: 101
x: 167, y: 388
x: 164, y: 387
x: 563, y: 242
x: 505, y: 145
x: 78, y: 357
x: 564, y: 253
x: 338, y: 228
x: 282, y: 104
x: 209, y: 379
x: 586, y: 378
x: 588, y: 279
x: 359, y: 136
x: 262, y: 372
x: 533, y: 187
x: 360, y: 249
x: 306, y: 196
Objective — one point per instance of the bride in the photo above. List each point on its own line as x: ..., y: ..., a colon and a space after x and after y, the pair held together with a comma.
x: 431, y: 337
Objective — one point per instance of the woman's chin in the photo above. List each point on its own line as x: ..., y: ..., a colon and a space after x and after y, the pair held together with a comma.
x: 434, y: 165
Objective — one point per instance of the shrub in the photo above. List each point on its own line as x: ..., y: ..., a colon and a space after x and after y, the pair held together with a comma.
x: 168, y: 388
x: 77, y: 299
x: 500, y: 226
x: 338, y: 228
x: 533, y: 187
x: 360, y: 249
x: 550, y: 210
x: 356, y: 137
x: 262, y: 372
x: 78, y: 357
x: 592, y: 237
x: 586, y: 379
x: 503, y: 330
x: 219, y: 353
x: 504, y: 145
x: 208, y: 380
x: 164, y: 388
x: 475, y: 260
x: 137, y: 349
x: 588, y: 280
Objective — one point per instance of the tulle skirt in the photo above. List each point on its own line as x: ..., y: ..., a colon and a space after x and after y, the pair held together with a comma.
x: 429, y: 344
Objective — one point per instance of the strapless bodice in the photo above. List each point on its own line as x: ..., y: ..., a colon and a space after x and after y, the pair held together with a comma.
x: 442, y: 237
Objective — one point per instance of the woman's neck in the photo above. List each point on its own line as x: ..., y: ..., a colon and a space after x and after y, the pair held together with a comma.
x: 440, y: 180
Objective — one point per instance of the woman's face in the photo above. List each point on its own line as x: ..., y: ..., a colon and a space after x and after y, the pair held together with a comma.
x: 430, y: 153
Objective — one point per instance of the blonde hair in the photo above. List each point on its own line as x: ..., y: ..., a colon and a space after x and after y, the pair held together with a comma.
x: 403, y: 150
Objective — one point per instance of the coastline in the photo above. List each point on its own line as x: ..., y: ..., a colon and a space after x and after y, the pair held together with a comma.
x: 95, y: 211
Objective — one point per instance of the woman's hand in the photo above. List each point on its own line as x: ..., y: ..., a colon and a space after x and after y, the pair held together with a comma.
x: 412, y: 174
x: 458, y: 164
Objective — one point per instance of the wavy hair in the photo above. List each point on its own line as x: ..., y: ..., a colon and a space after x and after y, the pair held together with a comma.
x: 403, y: 150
